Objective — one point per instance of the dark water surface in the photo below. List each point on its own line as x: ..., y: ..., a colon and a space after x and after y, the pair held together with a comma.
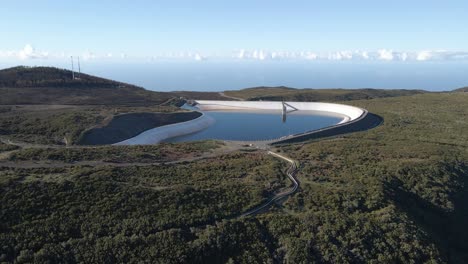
x: 259, y: 125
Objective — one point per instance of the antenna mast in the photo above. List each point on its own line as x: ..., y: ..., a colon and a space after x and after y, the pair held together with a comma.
x: 79, y: 68
x: 73, y: 70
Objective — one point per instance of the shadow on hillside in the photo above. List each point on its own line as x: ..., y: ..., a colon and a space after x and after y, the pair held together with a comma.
x: 368, y: 122
x: 448, y: 229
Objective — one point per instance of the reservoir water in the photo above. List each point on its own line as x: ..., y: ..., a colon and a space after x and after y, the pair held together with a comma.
x: 259, y: 125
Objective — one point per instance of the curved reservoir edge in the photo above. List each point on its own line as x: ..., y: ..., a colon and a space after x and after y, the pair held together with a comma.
x: 349, y: 113
x: 158, y: 134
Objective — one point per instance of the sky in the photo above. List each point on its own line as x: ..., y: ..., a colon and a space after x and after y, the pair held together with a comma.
x: 234, y: 30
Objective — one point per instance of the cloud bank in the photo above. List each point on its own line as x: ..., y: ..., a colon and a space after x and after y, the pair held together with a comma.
x: 28, y: 52
x: 356, y: 55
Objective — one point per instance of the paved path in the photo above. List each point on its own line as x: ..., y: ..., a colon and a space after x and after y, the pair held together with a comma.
x: 291, y: 172
x: 231, y: 97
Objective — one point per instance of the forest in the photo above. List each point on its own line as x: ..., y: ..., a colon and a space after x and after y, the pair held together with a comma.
x: 316, y: 95
x: 53, y: 86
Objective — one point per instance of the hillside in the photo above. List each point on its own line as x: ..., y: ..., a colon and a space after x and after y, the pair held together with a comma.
x: 314, y: 95
x: 463, y: 89
x: 126, y: 126
x: 394, y: 194
x: 65, y: 124
x: 47, y: 85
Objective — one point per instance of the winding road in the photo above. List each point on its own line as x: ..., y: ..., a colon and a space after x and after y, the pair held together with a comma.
x: 365, y: 122
x: 291, y: 172
x: 231, y: 97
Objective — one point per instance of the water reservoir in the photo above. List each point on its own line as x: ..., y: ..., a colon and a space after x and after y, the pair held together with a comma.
x: 255, y: 125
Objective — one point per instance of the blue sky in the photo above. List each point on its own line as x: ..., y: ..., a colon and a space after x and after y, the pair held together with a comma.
x: 101, y: 29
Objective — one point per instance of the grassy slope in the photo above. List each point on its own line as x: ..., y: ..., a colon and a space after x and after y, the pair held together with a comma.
x: 126, y: 126
x: 200, y: 95
x: 164, y: 152
x: 54, y: 124
x: 313, y: 95
x: 96, y: 211
x: 463, y: 89
x: 410, y: 173
x: 6, y: 147
x: 45, y: 105
x: 393, y: 194
x: 46, y: 85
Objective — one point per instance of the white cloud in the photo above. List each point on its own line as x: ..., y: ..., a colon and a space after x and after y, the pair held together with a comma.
x: 424, y: 55
x: 88, y: 55
x: 460, y: 55
x: 364, y: 55
x: 28, y: 52
x: 403, y: 56
x: 255, y: 54
x: 334, y: 56
x: 385, y: 54
x: 241, y: 54
x: 441, y: 55
x: 311, y: 56
x: 7, y: 54
x: 198, y: 57
x: 381, y: 55
x: 275, y: 55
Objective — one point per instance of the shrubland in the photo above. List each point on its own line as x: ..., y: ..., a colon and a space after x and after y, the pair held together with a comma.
x: 394, y: 194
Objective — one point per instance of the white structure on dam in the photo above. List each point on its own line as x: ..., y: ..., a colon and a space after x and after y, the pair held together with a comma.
x: 158, y: 134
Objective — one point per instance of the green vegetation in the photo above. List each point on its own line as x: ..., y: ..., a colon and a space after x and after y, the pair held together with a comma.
x: 23, y: 76
x: 50, y: 126
x: 6, y: 147
x: 165, y: 152
x: 126, y: 126
x: 394, y: 194
x: 401, y: 187
x: 65, y: 124
x: 121, y: 214
x: 315, y: 95
x: 46, y: 85
x: 199, y: 95
x: 463, y: 89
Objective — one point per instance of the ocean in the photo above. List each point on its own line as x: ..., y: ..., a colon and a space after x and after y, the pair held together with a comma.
x: 233, y: 75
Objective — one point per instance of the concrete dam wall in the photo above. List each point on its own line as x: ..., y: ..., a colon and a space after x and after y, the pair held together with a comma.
x: 354, y: 119
x: 158, y: 134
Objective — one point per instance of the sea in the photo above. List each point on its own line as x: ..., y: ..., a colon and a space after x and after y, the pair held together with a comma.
x: 217, y: 75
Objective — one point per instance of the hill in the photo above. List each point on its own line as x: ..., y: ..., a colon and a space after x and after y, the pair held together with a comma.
x: 126, y: 126
x: 47, y: 85
x: 313, y: 95
x: 68, y: 124
x: 463, y: 89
